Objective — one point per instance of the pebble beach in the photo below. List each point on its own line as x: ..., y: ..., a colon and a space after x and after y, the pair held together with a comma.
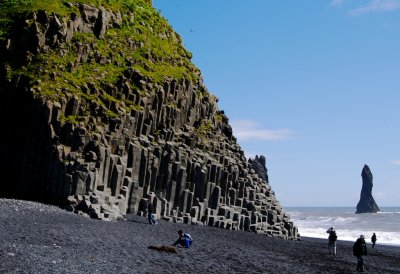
x: 38, y: 238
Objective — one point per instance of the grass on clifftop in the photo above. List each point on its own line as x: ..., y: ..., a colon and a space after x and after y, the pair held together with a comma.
x: 10, y: 8
x: 145, y: 41
x: 158, y: 41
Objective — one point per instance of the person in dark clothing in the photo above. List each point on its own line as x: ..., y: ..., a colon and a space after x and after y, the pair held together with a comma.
x: 150, y: 213
x: 332, y: 240
x: 360, y: 250
x: 184, y: 239
x: 373, y: 240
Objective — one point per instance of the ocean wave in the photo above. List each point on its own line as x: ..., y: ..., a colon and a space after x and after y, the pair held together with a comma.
x: 315, y: 222
x: 388, y: 212
x: 324, y: 221
x: 385, y: 238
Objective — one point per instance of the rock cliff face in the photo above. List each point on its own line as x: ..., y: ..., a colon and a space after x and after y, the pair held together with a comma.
x: 101, y: 110
x: 367, y: 203
x: 259, y: 166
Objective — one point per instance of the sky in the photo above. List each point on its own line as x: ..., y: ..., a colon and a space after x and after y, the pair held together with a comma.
x: 312, y: 85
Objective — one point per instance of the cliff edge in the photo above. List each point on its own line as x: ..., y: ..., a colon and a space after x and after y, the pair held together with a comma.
x: 103, y: 110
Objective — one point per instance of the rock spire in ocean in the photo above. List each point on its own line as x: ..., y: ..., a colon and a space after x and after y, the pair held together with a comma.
x: 367, y: 203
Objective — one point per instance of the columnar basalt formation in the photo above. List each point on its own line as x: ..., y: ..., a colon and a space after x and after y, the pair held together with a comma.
x: 259, y: 166
x: 367, y: 203
x: 89, y: 124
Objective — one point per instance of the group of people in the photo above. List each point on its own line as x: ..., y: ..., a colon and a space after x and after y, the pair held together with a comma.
x: 359, y: 247
x: 184, y: 239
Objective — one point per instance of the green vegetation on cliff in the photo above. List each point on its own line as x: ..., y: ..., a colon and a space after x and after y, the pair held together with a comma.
x: 10, y: 8
x: 143, y: 40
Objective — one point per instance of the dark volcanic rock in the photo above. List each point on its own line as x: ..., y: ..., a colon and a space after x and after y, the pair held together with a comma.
x: 259, y: 166
x: 99, y: 121
x: 367, y: 203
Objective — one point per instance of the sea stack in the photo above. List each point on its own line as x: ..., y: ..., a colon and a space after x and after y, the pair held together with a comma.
x: 367, y: 203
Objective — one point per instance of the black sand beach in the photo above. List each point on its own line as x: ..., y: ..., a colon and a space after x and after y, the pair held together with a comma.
x: 36, y: 238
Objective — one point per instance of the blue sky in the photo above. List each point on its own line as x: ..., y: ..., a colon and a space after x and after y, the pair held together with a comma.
x: 312, y: 85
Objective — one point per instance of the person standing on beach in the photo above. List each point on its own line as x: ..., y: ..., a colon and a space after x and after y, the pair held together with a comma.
x: 150, y: 213
x: 373, y: 240
x: 360, y: 250
x: 332, y: 240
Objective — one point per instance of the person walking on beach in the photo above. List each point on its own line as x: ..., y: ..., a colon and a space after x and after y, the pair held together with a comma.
x: 184, y: 239
x: 373, y: 240
x: 360, y: 250
x: 150, y: 213
x: 332, y: 240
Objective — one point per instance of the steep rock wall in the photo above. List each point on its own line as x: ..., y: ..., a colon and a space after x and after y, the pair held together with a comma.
x: 102, y: 145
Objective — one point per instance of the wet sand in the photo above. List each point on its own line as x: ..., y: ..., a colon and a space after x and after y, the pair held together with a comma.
x: 37, y: 238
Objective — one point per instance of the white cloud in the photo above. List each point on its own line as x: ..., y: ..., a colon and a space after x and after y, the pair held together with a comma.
x: 250, y: 130
x: 395, y: 162
x: 337, y: 2
x: 376, y: 6
x: 249, y: 154
x: 380, y: 195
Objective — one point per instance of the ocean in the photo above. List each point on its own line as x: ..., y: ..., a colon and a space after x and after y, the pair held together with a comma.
x: 315, y: 221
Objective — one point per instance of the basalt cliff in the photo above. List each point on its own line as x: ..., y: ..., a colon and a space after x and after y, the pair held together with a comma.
x: 102, y: 109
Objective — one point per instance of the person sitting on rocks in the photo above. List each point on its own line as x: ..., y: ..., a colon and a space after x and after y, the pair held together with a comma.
x: 184, y: 239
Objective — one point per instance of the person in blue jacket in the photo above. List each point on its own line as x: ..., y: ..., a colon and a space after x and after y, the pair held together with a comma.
x: 184, y: 239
